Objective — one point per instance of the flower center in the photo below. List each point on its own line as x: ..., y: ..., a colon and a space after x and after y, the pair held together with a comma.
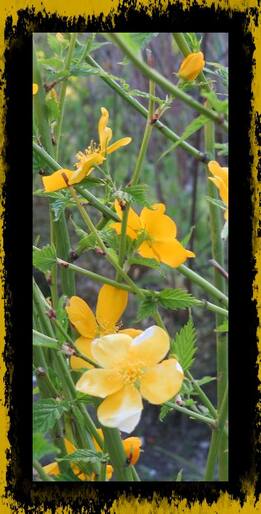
x: 131, y: 374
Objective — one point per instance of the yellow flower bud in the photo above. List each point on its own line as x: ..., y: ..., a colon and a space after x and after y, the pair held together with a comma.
x: 59, y: 37
x: 192, y: 66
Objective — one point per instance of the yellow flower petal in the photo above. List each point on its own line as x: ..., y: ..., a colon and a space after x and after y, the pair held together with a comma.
x: 171, y: 252
x: 56, y: 181
x: 150, y: 347
x: 100, y: 382
x: 111, y: 304
x: 83, y: 344
x: 218, y: 171
x: 118, y: 144
x: 191, y: 66
x: 35, y: 88
x: 158, y: 225
x: 85, y: 166
x: 146, y: 251
x: 133, y: 222
x: 121, y: 410
x: 109, y: 471
x: 70, y: 448
x: 102, y: 128
x: 108, y: 351
x: 132, y: 449
x: 81, y: 317
x: 132, y: 332
x: 52, y: 469
x: 160, y: 383
x: 223, y: 191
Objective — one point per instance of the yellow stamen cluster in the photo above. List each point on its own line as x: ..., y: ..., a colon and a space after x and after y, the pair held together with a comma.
x: 131, y: 374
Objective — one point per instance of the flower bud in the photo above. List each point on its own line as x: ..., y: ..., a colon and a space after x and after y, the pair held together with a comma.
x: 192, y: 66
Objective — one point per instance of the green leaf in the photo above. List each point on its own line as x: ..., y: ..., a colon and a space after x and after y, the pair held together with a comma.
x: 222, y: 148
x: 47, y: 412
x: 44, y: 258
x: 42, y: 447
x: 223, y: 327
x: 220, y: 106
x: 217, y: 202
x: 44, y: 341
x: 184, y: 345
x: 187, y: 237
x: 205, y: 380
x: 147, y: 307
x: 138, y: 193
x: 85, y: 456
x: 142, y: 261
x: 136, y: 41
x: 176, y: 299
x: 164, y: 411
x: 52, y: 63
x: 179, y: 476
x: 191, y: 128
x: 56, y: 45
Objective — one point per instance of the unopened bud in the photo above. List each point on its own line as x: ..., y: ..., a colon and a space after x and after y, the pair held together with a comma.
x: 191, y: 66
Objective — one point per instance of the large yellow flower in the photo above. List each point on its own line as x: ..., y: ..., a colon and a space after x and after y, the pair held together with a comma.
x: 160, y: 232
x: 220, y: 180
x: 111, y: 304
x: 93, y: 155
x: 53, y: 468
x: 131, y: 369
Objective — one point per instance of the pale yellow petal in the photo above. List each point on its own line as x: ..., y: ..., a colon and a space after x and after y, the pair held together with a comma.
x: 81, y: 317
x: 160, y: 383
x: 158, y: 225
x: 111, y: 304
x: 118, y: 144
x: 108, y: 351
x: 83, y: 344
x: 121, y: 410
x: 146, y: 251
x: 150, y: 347
x: 100, y: 382
x: 57, y: 181
x: 218, y: 171
x: 171, y: 252
x: 132, y: 332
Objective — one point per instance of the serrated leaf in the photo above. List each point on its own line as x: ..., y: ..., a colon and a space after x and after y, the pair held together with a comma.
x: 147, y: 307
x: 138, y: 194
x: 142, y: 261
x: 176, y: 299
x: 184, y: 345
x: 85, y: 456
x: 44, y: 258
x: 47, y: 412
x: 220, y: 106
x: 87, y: 399
x: 42, y: 447
x: 44, y: 341
x: 191, y: 128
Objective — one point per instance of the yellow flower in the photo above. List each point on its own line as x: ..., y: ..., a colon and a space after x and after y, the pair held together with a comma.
x: 191, y: 66
x: 160, y: 231
x: 132, y: 449
x: 111, y: 304
x: 35, y: 88
x: 220, y: 180
x: 130, y: 369
x: 59, y: 37
x: 53, y: 468
x: 93, y: 155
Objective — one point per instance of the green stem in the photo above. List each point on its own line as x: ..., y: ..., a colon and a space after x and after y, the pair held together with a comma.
x: 216, y: 438
x: 113, y: 445
x: 204, y: 398
x: 172, y: 136
x: 135, y: 475
x: 221, y: 340
x: 102, y: 476
x: 40, y: 108
x: 136, y: 173
x: 204, y: 284
x: 152, y: 74
x: 41, y: 472
x: 67, y: 66
x: 109, y: 213
x: 209, y: 421
x: 77, y: 353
